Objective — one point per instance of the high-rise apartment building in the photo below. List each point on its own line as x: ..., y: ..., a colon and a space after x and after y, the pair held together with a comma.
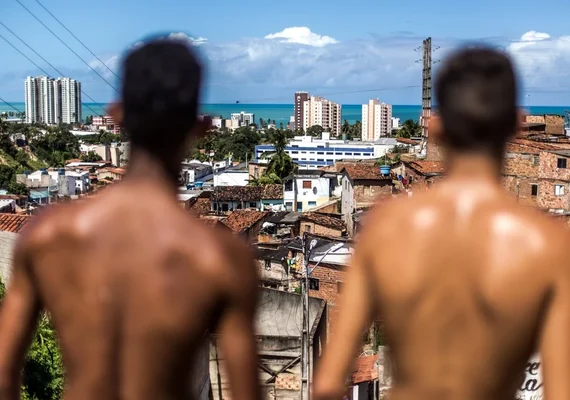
x: 70, y: 101
x: 314, y: 110
x: 31, y: 100
x: 299, y: 110
x: 52, y: 101
x: 376, y: 120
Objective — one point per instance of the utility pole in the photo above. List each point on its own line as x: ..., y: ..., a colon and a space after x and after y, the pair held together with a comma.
x: 427, y: 63
x: 305, y: 331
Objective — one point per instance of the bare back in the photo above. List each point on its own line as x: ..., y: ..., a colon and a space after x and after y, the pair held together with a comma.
x: 133, y: 286
x: 463, y: 280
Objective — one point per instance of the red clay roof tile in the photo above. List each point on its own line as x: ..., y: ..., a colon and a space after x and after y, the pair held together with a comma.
x: 13, y: 222
x: 240, y: 221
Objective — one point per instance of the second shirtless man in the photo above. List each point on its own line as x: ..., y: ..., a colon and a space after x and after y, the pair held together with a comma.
x: 480, y: 281
x: 132, y: 281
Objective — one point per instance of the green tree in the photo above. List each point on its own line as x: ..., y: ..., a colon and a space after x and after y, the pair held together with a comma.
x: 355, y: 130
x: 91, y: 157
x: 43, y: 374
x: 315, y: 130
x: 409, y: 129
x: 56, y: 146
x: 88, y: 120
x: 280, y: 165
x: 345, y: 129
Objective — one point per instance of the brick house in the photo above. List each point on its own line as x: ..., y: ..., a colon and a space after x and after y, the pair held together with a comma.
x: 553, y: 124
x: 362, y: 185
x: 421, y: 174
x: 538, y: 173
x: 322, y: 225
x: 247, y: 223
x: 256, y: 170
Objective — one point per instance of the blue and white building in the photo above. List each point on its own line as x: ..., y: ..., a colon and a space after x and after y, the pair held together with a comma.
x: 310, y: 152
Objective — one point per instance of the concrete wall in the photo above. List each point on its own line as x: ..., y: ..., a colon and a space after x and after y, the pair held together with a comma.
x: 317, y: 229
x: 278, y: 331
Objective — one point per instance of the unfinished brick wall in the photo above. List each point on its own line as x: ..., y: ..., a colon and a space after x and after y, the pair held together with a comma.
x: 554, y: 124
x: 329, y: 289
x: 421, y: 182
x: 256, y: 170
x: 317, y: 229
x: 369, y: 191
x: 434, y: 151
x: 522, y: 163
x: 549, y: 167
x: 535, y: 119
x: 547, y: 197
x: 521, y: 188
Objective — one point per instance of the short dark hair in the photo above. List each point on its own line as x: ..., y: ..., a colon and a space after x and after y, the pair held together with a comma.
x: 476, y: 94
x: 160, y: 93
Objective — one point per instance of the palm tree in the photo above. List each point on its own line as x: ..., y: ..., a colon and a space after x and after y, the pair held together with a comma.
x: 409, y: 129
x: 345, y: 129
x: 280, y: 165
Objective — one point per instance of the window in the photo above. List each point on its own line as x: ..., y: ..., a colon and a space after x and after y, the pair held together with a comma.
x: 536, y: 160
x: 330, y: 153
x: 561, y: 163
x: 225, y: 207
x: 313, y: 284
x: 312, y: 203
x: 288, y: 186
x: 559, y: 190
x: 252, y: 205
x: 294, y: 152
x: 307, y: 228
x: 533, y: 189
x: 320, y: 152
x: 289, y: 204
x: 267, y: 265
x: 307, y: 185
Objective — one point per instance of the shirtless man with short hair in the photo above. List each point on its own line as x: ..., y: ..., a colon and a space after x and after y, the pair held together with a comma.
x: 133, y: 282
x: 480, y: 282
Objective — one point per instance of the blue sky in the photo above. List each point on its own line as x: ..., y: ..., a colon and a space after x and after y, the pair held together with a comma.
x: 262, y: 51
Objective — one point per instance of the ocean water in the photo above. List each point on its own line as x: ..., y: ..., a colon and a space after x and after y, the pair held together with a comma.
x: 282, y: 112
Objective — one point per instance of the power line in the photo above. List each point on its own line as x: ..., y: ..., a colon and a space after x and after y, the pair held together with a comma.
x: 76, y: 38
x: 65, y: 44
x: 41, y: 69
x: 44, y: 60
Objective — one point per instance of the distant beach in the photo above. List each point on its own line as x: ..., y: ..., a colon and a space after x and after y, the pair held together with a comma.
x: 282, y: 112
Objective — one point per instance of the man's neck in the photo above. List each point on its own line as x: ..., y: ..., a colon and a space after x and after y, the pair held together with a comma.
x: 473, y: 167
x: 143, y: 167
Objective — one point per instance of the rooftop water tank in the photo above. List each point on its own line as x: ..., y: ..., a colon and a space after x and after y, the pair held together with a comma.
x: 199, y: 184
x: 61, y: 172
x: 43, y: 171
x: 385, y: 169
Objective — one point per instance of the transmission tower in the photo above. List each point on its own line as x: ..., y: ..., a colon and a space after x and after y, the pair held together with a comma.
x: 427, y: 63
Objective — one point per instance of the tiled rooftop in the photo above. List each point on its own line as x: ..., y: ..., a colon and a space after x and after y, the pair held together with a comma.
x: 364, y: 172
x: 13, y: 222
x: 240, y: 221
x: 365, y: 369
x: 201, y: 206
x: 408, y: 141
x: 324, y: 220
x: 248, y: 193
x: 427, y: 167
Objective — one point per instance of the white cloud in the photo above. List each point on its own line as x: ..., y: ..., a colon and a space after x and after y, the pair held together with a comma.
x: 302, y: 35
x: 542, y: 60
x: 266, y: 70
x: 182, y: 36
x: 111, y: 64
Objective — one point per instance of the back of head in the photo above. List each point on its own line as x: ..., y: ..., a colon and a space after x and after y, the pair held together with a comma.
x: 476, y: 92
x: 160, y: 94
